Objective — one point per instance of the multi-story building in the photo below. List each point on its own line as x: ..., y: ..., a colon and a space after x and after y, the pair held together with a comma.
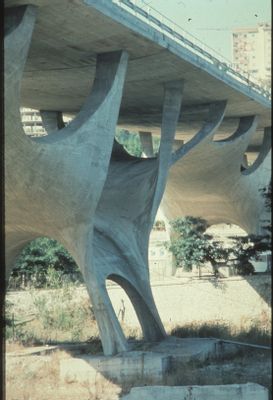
x: 161, y: 261
x: 252, y: 52
x: 32, y: 122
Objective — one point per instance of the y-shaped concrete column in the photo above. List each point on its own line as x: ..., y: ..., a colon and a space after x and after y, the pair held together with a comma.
x: 65, y: 186
x: 124, y: 219
x: 53, y: 183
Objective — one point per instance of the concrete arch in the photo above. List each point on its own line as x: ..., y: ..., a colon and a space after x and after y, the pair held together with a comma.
x: 246, y: 124
x: 146, y: 319
x: 263, y: 154
x: 207, y: 182
x: 214, y: 118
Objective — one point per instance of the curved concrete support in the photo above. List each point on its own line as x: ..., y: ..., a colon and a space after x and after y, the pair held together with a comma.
x: 53, y: 185
x: 263, y: 154
x: 52, y: 120
x: 177, y: 144
x: 170, y: 115
x: 123, y: 221
x: 83, y: 189
x: 245, y: 125
x: 206, y: 179
x: 205, y: 135
x: 100, y: 206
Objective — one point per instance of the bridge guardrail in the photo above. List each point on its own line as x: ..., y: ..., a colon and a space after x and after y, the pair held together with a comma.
x: 177, y: 33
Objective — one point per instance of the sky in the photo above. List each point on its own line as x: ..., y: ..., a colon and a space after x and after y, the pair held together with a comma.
x: 212, y: 21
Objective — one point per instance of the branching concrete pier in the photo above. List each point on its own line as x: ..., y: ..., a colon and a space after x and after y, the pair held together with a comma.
x: 79, y: 186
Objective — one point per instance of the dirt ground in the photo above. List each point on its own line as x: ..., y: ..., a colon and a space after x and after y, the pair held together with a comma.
x: 36, y: 377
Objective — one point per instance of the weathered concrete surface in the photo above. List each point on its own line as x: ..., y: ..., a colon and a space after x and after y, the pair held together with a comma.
x: 210, y: 182
x: 80, y: 187
x: 210, y: 178
x: 53, y: 184
x: 152, y: 365
x: 134, y: 366
x: 246, y: 391
x: 63, y: 56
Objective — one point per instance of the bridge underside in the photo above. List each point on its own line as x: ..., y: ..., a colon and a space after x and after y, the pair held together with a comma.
x: 60, y: 69
x: 80, y: 187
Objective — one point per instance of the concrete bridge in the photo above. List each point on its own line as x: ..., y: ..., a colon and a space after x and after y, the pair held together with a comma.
x: 111, y: 67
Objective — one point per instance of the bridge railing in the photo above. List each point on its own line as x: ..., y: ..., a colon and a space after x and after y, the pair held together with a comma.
x: 157, y: 20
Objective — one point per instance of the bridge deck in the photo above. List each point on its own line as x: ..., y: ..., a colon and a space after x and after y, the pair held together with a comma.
x: 60, y: 68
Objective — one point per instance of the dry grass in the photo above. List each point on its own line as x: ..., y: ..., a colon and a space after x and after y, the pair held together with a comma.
x: 256, y: 331
x: 37, y: 377
x: 248, y: 367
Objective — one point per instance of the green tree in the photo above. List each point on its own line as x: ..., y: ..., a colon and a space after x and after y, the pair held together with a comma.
x: 191, y: 246
x: 251, y: 247
x: 131, y: 142
x: 44, y: 261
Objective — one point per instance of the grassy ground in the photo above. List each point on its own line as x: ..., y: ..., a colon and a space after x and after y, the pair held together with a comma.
x: 249, y: 333
x: 57, y: 318
x: 37, y: 377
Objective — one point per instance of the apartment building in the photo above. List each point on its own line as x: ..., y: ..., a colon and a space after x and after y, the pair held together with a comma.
x: 32, y: 122
x: 252, y: 52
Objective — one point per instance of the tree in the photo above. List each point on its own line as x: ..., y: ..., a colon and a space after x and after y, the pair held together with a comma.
x: 131, y: 142
x: 191, y: 246
x: 267, y: 194
x: 40, y: 258
x: 251, y: 247
x: 245, y: 249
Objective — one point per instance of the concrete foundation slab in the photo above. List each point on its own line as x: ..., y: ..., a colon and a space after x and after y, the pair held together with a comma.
x: 193, y: 349
x: 122, y: 368
x: 151, y: 362
x: 246, y: 391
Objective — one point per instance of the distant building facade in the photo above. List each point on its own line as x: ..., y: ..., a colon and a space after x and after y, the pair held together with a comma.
x: 32, y: 122
x: 252, y: 52
x: 161, y: 261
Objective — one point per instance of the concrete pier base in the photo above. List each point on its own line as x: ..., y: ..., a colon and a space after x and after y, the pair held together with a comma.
x: 152, y: 362
x: 246, y: 391
x: 134, y: 366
